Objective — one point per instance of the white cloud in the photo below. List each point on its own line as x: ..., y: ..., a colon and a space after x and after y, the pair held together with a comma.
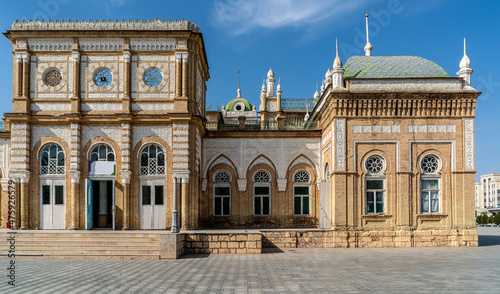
x: 241, y: 16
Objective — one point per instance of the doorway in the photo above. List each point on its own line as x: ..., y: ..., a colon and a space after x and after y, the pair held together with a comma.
x: 152, y: 205
x: 100, y: 204
x: 52, y: 204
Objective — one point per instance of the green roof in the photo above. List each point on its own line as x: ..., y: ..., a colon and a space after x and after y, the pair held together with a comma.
x: 391, y: 67
x: 248, y: 106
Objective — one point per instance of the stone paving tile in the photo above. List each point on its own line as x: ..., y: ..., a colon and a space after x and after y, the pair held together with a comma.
x: 320, y: 270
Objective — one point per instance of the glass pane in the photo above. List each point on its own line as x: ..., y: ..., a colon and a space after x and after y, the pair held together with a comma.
x: 296, y: 205
x: 159, y: 195
x: 380, y: 207
x: 261, y: 190
x: 266, y: 205
x: 152, y: 151
x: 222, y: 190
x: 60, y: 159
x: 161, y: 159
x: 45, y: 194
x: 257, y: 205
x: 59, y: 195
x: 380, y: 196
x: 430, y: 184
x: 375, y: 184
x: 93, y: 157
x: 434, y: 194
x: 369, y: 196
x: 45, y: 159
x: 301, y: 190
x: 53, y: 151
x: 226, y: 204
x: 218, y: 206
x: 102, y: 152
x: 434, y: 205
x: 111, y: 157
x: 305, y: 205
x: 144, y: 159
x: 424, y: 198
x: 146, y: 195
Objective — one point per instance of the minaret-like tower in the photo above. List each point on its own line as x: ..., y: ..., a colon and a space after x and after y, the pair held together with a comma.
x: 278, y: 96
x: 368, y: 46
x: 337, y: 71
x: 465, y: 71
x: 270, y: 83
x: 263, y: 97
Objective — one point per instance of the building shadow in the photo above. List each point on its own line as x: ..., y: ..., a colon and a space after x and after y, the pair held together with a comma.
x: 488, y: 240
x: 194, y: 256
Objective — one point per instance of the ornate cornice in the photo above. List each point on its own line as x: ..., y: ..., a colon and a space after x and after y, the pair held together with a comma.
x: 155, y: 25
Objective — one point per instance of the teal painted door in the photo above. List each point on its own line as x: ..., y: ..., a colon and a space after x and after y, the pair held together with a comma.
x: 88, y: 201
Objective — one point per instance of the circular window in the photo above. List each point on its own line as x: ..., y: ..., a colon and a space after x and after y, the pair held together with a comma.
x: 430, y: 164
x: 103, y: 77
x: 222, y: 177
x: 52, y: 78
x: 153, y: 77
x: 374, y: 165
x: 239, y: 106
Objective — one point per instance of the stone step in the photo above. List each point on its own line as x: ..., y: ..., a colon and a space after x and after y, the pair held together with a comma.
x: 83, y: 251
x: 83, y: 242
x: 81, y: 239
x: 32, y: 246
x: 85, y: 235
x: 91, y: 257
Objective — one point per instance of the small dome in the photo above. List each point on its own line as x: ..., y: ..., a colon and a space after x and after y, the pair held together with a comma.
x: 231, y: 105
x: 316, y: 95
x: 465, y: 62
x: 328, y: 74
x: 337, y: 63
x: 270, y: 73
x: 368, y: 49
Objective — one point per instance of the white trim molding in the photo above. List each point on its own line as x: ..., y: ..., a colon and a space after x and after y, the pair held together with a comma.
x: 398, y: 153
x: 453, y: 153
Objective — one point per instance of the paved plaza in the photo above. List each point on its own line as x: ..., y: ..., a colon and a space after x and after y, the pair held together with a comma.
x: 322, y: 270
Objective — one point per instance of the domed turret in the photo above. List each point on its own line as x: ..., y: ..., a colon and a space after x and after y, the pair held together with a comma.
x: 270, y: 74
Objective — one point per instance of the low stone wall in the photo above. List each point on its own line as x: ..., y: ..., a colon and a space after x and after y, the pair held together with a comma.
x: 369, y: 238
x: 244, y: 242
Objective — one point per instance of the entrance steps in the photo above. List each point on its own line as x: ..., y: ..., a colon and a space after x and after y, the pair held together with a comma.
x: 82, y: 244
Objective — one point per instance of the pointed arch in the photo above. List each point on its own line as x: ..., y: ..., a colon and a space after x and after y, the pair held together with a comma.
x: 261, y: 158
x: 220, y: 159
x: 303, y: 159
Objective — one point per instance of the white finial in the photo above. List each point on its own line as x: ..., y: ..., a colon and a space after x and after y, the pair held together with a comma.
x: 337, y: 63
x: 368, y: 46
x: 279, y: 85
x: 239, y: 90
x: 263, y: 85
x: 270, y: 73
x: 307, y: 111
x: 465, y: 62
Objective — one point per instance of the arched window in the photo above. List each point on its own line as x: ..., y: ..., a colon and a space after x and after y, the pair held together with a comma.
x: 52, y: 160
x: 301, y: 193
x: 152, y: 161
x: 102, y: 152
x: 327, y: 172
x: 375, y: 184
x: 222, y: 193
x: 262, y: 193
x: 430, y: 184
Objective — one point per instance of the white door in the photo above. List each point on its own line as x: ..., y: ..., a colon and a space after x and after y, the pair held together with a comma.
x: 152, y: 205
x: 52, y: 204
x: 325, y: 208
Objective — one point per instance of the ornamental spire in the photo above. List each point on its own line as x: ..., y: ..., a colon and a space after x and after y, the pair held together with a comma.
x: 239, y: 90
x: 368, y: 46
x: 337, y: 63
x: 465, y: 62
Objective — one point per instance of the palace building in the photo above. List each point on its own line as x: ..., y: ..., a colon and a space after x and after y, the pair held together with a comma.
x: 109, y: 126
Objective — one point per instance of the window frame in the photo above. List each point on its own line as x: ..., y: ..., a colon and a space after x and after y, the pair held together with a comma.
x: 302, y: 184
x: 59, y: 150
x: 261, y: 196
x: 384, y: 195
x: 142, y: 150
x: 224, y: 185
x: 430, y: 178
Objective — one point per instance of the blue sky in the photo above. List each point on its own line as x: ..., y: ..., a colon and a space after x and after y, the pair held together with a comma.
x: 297, y: 39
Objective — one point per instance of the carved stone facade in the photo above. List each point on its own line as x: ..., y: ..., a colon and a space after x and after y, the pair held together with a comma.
x: 118, y: 109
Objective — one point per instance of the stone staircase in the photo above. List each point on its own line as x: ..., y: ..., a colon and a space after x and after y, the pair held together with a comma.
x: 82, y: 244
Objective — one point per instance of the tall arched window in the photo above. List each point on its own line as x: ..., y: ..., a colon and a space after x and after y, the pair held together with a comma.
x: 52, y: 160
x: 430, y: 184
x: 375, y: 184
x: 222, y: 193
x: 262, y: 193
x: 102, y: 152
x: 327, y: 172
x: 301, y: 193
x: 152, y: 161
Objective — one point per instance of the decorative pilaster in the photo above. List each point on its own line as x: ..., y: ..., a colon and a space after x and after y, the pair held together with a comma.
x: 22, y: 177
x: 26, y: 75
x: 185, y: 75
x: 75, y: 99
x: 74, y: 173
x: 21, y: 97
x: 125, y: 173
x: 178, y: 74
x: 183, y: 177
x: 75, y: 183
x: 126, y: 103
